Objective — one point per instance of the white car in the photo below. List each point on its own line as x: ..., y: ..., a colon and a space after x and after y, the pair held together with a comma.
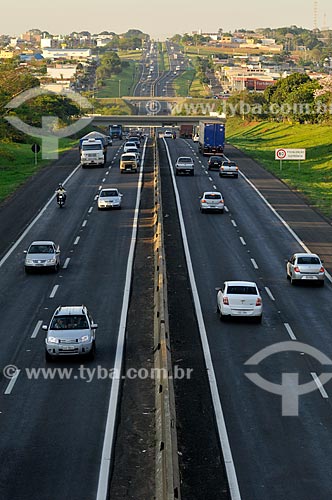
x: 42, y: 255
x: 211, y: 201
x: 168, y: 134
x: 130, y: 145
x: 305, y: 267
x: 184, y: 165
x: 71, y: 332
x: 239, y: 299
x: 109, y: 198
x: 229, y: 168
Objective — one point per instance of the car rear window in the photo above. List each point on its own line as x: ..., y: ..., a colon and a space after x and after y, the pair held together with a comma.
x: 308, y: 260
x: 241, y: 290
x: 72, y: 322
x: 212, y: 196
x: 184, y: 159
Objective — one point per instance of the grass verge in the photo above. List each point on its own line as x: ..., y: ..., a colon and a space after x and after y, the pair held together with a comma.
x: 121, y: 83
x: 313, y: 177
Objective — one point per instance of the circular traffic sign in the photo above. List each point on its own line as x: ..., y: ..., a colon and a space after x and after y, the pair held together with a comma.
x: 281, y: 154
x: 35, y: 148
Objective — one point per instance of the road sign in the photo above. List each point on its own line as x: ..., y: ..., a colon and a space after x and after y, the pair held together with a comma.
x: 35, y: 148
x: 289, y: 154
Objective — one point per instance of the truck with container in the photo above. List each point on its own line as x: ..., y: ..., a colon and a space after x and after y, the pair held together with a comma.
x: 115, y: 131
x: 211, y: 138
x: 92, y: 152
x: 98, y: 136
x: 186, y: 130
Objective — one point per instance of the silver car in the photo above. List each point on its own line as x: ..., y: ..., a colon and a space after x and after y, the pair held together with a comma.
x: 42, y: 255
x: 109, y: 198
x: 71, y: 332
x: 305, y: 267
x: 184, y: 165
x: 211, y: 201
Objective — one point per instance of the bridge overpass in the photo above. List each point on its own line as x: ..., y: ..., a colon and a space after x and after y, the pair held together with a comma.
x: 153, y: 120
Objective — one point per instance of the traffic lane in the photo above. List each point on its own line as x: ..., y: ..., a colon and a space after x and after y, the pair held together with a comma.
x: 78, y: 286
x: 21, y: 294
x: 311, y: 227
x: 242, y: 334
x: 305, y: 308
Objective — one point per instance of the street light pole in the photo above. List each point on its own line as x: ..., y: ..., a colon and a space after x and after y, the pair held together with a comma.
x: 119, y: 88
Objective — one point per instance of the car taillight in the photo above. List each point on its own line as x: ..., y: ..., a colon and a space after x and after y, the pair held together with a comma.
x: 225, y: 301
x: 322, y: 270
x: 296, y: 269
x: 221, y: 201
x: 222, y: 168
x: 258, y: 301
x: 203, y: 201
x: 237, y: 168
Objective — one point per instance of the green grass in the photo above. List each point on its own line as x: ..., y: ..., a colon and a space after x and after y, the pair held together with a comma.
x: 127, y: 78
x: 132, y: 55
x: 109, y: 106
x: 17, y: 164
x: 313, y: 178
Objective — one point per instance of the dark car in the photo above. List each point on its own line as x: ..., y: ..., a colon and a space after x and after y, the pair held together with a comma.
x: 214, y: 162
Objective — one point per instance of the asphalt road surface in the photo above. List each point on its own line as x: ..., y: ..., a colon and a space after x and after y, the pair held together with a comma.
x: 275, y: 456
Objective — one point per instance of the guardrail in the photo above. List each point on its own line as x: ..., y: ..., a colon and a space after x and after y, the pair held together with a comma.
x: 167, y: 467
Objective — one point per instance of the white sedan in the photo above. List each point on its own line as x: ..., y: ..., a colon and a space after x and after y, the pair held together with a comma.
x: 211, y: 201
x: 239, y: 299
x: 305, y: 267
x: 109, y: 198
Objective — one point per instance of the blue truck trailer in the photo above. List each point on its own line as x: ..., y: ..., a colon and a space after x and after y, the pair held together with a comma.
x: 211, y: 138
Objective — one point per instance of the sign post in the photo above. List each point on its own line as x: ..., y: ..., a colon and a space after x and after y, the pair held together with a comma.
x: 289, y: 154
x: 35, y: 148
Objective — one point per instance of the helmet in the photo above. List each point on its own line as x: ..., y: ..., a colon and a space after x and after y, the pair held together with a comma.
x: 60, y: 186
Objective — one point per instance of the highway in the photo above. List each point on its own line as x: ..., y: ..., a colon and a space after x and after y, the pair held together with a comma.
x: 52, y: 431
x: 274, y: 456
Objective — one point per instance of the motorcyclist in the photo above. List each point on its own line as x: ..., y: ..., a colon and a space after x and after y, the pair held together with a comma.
x: 61, y: 190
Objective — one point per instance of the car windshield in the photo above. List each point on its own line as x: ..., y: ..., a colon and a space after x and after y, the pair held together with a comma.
x: 308, y: 260
x: 41, y: 249
x: 92, y: 147
x: 212, y: 196
x: 72, y: 322
x: 108, y: 193
x: 241, y: 290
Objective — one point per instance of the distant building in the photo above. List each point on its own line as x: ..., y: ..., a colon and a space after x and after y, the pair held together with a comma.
x: 80, y: 54
x: 6, y: 54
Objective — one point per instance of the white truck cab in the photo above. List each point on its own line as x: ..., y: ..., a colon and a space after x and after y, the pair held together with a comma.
x: 92, y: 152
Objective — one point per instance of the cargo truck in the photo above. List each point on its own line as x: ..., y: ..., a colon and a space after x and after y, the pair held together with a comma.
x: 92, y: 152
x: 211, y: 138
x: 98, y: 136
x: 186, y: 130
x: 115, y: 131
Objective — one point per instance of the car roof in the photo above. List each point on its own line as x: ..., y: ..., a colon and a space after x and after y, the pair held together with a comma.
x: 305, y: 255
x: 109, y: 189
x: 212, y: 192
x: 185, y: 158
x: 241, y: 283
x: 42, y: 242
x: 70, y: 310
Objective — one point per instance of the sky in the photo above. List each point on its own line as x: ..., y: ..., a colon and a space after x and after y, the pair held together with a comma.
x: 161, y: 19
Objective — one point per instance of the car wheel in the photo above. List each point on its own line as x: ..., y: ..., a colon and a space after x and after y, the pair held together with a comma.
x: 258, y: 319
x: 192, y: 173
x: 222, y: 211
x: 321, y: 283
x: 236, y: 176
x: 287, y: 276
x: 91, y: 355
x: 27, y: 270
x: 48, y: 357
x: 292, y: 281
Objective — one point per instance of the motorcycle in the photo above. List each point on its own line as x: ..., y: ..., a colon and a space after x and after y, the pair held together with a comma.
x: 61, y: 199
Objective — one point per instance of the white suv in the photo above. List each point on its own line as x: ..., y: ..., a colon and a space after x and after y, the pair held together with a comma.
x: 71, y: 332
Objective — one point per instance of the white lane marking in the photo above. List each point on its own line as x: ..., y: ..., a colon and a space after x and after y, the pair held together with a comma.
x: 84, y: 223
x: 105, y: 463
x: 290, y: 331
x: 293, y: 233
x: 107, y: 172
x: 268, y: 291
x: 100, y: 187
x: 220, y: 420
x: 36, y: 329
x: 210, y: 179
x: 53, y: 292
x: 12, y: 382
x: 234, y: 223
x: 242, y: 241
x: 104, y: 179
x: 66, y: 263
x: 319, y: 385
x: 214, y: 186
x: 90, y: 210
x: 226, y: 209
x: 254, y: 263
x: 77, y: 240
x: 30, y: 226
x: 199, y: 161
